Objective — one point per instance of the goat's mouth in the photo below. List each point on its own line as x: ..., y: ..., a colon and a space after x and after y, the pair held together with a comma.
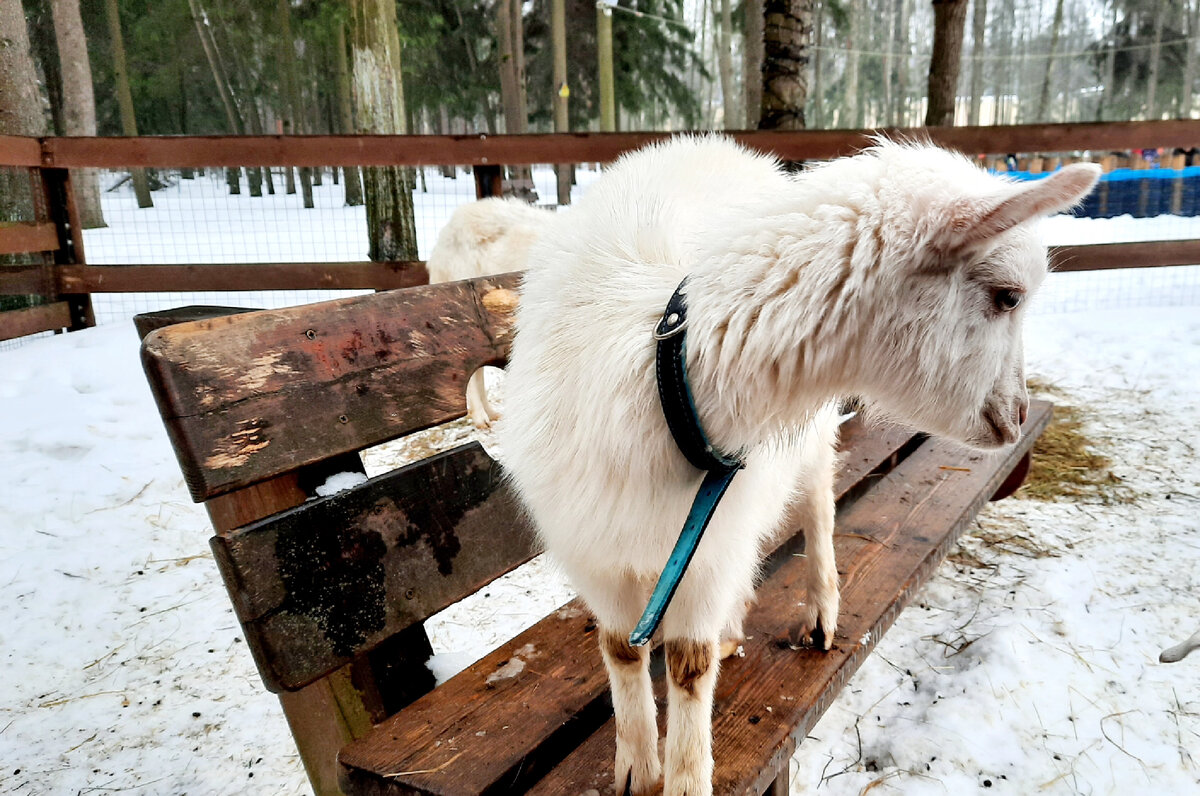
x: 1000, y: 433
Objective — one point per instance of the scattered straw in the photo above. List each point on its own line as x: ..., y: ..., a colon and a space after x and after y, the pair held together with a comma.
x: 1066, y: 464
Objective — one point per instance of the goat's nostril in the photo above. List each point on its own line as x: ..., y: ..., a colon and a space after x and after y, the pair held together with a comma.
x: 1022, y: 413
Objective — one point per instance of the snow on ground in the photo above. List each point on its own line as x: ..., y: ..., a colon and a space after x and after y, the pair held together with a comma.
x: 1028, y: 665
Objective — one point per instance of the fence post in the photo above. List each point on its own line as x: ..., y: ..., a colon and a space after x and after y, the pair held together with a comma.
x: 488, y: 181
x: 61, y: 210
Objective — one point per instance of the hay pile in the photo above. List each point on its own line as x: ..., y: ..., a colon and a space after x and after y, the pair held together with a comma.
x: 1066, y: 464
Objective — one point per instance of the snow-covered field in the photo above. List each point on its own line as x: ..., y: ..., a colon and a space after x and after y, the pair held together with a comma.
x: 1028, y: 665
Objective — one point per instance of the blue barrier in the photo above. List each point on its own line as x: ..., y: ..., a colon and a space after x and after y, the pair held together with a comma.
x: 1141, y: 193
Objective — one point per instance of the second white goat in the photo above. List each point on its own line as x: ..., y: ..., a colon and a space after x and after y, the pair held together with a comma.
x: 491, y: 236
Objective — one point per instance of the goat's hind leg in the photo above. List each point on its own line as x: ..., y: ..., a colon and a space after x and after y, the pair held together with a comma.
x: 819, y: 616
x: 479, y: 409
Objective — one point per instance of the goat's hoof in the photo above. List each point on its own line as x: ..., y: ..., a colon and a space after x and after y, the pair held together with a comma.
x: 817, y: 627
x: 637, y: 778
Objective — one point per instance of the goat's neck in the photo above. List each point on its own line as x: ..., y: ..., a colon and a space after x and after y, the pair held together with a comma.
x: 775, y: 324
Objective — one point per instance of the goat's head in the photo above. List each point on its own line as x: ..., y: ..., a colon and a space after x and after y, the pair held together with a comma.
x: 959, y: 260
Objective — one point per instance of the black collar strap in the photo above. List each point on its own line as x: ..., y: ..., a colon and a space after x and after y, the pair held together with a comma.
x: 675, y: 395
x: 680, y: 411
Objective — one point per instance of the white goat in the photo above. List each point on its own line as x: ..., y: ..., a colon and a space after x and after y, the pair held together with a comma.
x: 896, y: 275
x: 491, y: 236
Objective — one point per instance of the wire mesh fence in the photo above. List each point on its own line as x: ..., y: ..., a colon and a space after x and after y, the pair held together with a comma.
x: 196, y: 219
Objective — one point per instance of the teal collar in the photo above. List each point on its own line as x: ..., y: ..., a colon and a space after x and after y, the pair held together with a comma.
x: 679, y: 409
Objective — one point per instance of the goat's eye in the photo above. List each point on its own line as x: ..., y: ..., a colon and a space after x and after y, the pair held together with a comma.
x: 1007, y: 299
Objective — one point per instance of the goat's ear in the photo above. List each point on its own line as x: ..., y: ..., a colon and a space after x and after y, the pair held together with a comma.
x: 1061, y: 190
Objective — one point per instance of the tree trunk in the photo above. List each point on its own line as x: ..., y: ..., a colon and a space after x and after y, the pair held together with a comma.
x: 978, y: 49
x: 853, y: 108
x: 292, y: 115
x: 558, y: 35
x: 723, y: 25
x: 352, y: 184
x: 903, y: 64
x: 1155, y: 58
x: 379, y: 95
x: 1110, y: 71
x: 604, y: 58
x: 78, y: 103
x: 21, y: 111
x: 1189, y: 64
x: 753, y: 62
x: 787, y: 36
x: 141, y: 187
x: 949, y: 17
x: 1055, y: 31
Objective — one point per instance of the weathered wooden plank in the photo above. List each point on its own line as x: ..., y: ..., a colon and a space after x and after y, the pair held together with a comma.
x: 482, y: 149
x: 464, y: 738
x: 888, y: 543
x: 1142, y: 254
x: 240, y: 276
x: 251, y: 396
x: 20, y: 150
x: 319, y: 584
x: 147, y: 322
x: 20, y: 238
x: 31, y: 320
x: 18, y: 280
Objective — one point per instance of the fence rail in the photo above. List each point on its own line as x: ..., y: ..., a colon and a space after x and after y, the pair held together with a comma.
x: 60, y: 276
x: 517, y: 150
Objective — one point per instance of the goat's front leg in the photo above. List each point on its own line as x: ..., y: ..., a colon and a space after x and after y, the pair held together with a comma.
x: 819, y: 616
x: 637, y: 768
x: 692, y: 666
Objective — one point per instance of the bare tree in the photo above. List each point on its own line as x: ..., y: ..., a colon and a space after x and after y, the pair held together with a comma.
x: 949, y: 17
x: 723, y: 27
x: 1189, y: 63
x: 1055, y: 31
x: 787, y: 38
x: 978, y: 48
x: 21, y: 110
x: 141, y: 186
x: 352, y: 185
x: 379, y: 98
x: 78, y: 103
x: 753, y: 61
x: 1155, y: 59
x: 852, y: 104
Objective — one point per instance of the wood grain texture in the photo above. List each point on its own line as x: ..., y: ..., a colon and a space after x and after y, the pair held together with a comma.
x: 514, y: 150
x: 485, y: 732
x: 1142, y: 254
x: 888, y: 543
x: 31, y: 320
x: 248, y: 397
x: 320, y: 584
x: 19, y: 238
x: 240, y: 276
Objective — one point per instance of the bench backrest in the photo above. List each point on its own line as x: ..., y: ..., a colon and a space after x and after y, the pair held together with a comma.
x: 259, y: 406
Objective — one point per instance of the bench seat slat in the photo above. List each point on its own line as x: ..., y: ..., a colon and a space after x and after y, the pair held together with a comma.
x: 316, y: 585
x: 248, y: 397
x: 464, y: 738
x: 888, y: 543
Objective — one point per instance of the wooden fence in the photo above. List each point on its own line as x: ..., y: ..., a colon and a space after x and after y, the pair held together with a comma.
x: 59, y: 272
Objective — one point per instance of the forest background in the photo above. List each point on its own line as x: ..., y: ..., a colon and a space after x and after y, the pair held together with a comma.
x: 163, y: 67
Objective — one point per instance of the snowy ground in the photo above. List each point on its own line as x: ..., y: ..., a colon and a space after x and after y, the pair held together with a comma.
x: 1028, y: 665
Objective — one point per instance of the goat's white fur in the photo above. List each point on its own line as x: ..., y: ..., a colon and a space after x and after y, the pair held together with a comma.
x: 491, y: 236
x: 872, y: 276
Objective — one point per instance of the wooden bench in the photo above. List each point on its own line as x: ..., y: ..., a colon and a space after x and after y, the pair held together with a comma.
x: 332, y: 592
